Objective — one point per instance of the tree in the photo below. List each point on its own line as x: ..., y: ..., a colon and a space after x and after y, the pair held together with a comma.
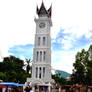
x: 11, y: 70
x: 59, y: 80
x: 82, y: 68
x: 3, y: 76
x: 28, y: 67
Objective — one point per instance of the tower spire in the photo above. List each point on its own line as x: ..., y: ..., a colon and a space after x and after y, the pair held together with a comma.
x: 37, y: 9
x: 43, y: 12
x: 50, y: 11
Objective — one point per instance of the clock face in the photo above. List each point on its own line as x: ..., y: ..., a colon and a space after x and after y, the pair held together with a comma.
x: 42, y: 25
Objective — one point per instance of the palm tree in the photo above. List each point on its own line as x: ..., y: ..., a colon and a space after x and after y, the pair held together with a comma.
x: 28, y: 67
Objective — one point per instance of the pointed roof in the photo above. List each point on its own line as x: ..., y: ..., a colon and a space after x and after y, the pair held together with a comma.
x: 50, y: 11
x: 37, y: 10
x: 43, y: 12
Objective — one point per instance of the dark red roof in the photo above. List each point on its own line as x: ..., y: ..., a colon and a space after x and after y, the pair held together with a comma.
x: 2, y: 86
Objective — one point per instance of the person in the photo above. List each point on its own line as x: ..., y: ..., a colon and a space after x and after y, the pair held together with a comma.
x: 16, y: 90
x: 7, y: 89
x: 27, y: 89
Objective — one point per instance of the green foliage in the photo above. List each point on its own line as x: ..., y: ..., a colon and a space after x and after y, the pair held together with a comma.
x: 3, y: 76
x: 11, y: 70
x: 59, y: 80
x: 82, y: 68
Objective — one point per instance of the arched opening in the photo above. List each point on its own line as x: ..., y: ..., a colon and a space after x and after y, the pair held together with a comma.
x: 34, y: 83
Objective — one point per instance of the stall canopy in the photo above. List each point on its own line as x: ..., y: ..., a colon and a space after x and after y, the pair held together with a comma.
x: 10, y: 84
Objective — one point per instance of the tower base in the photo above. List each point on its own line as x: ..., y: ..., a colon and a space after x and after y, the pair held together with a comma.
x: 39, y: 85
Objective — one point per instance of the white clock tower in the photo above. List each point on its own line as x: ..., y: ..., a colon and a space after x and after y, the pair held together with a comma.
x: 41, y: 66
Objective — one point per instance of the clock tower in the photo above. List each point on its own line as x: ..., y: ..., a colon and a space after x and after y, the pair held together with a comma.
x: 41, y: 65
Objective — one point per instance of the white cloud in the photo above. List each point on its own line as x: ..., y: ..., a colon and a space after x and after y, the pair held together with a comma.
x: 22, y: 58
x: 1, y: 58
x: 73, y: 16
x: 89, y: 34
x: 67, y: 42
x: 63, y: 60
x: 16, y: 23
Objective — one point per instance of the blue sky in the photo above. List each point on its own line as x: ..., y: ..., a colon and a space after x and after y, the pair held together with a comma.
x: 22, y: 50
x: 71, y: 30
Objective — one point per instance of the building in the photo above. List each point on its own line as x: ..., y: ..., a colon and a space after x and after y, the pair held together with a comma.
x: 41, y: 65
x: 63, y: 74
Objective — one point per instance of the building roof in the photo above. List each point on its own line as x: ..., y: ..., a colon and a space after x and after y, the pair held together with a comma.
x: 43, y: 12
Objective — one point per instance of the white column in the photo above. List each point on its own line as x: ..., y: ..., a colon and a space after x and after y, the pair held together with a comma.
x: 49, y: 88
x: 33, y: 88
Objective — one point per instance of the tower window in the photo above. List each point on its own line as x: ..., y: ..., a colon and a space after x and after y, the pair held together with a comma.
x: 36, y: 72
x: 44, y: 40
x: 40, y: 72
x: 39, y: 39
x: 37, y: 55
x: 43, y: 71
x: 44, y: 55
x: 40, y: 55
